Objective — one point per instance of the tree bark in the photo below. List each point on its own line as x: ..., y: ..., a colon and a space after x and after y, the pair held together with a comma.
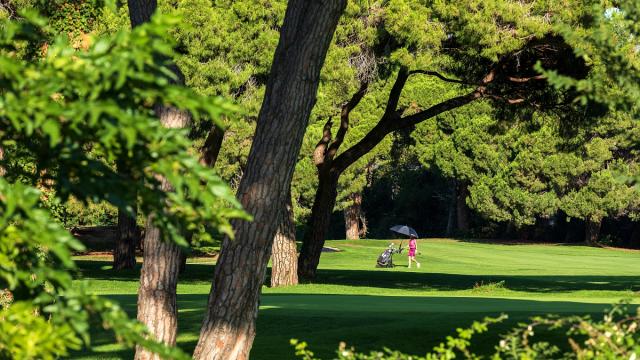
x: 592, y: 231
x: 462, y: 210
x: 352, y: 216
x: 124, y: 252
x: 318, y: 225
x: 228, y: 328
x: 284, y: 259
x: 157, y: 308
x: 162, y: 259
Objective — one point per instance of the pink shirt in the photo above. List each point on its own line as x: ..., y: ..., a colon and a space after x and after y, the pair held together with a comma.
x: 412, y: 244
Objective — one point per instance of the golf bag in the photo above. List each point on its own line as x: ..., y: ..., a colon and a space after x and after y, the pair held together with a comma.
x: 385, y: 260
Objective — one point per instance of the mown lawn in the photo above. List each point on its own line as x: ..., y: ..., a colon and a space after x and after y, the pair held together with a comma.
x: 407, y: 309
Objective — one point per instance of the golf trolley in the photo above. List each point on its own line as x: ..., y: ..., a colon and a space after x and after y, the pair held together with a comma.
x: 385, y: 260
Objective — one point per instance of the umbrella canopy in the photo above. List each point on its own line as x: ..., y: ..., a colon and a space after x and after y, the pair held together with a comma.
x: 404, y: 230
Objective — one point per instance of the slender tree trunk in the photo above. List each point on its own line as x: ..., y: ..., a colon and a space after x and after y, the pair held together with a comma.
x: 124, y: 252
x: 451, y: 212
x: 208, y: 156
x: 592, y: 231
x: 352, y: 217
x: 157, y: 307
x: 228, y: 328
x: 284, y: 259
x: 462, y: 210
x: 318, y: 225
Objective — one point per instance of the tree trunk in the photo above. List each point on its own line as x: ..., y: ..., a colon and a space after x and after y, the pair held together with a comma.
x: 228, y: 328
x: 451, y: 212
x: 124, y: 252
x: 318, y: 225
x: 157, y: 308
x: 284, y: 258
x: 352, y: 215
x: 162, y: 259
x: 462, y: 210
x: 592, y: 231
x: 208, y: 156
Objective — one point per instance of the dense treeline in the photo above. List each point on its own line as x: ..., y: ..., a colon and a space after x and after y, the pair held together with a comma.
x: 437, y: 178
x: 500, y: 119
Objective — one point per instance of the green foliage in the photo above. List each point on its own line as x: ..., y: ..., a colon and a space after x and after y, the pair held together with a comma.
x: 64, y: 119
x: 616, y: 336
x: 608, y: 40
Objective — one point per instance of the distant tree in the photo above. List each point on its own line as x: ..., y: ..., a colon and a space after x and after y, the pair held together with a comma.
x: 496, y: 63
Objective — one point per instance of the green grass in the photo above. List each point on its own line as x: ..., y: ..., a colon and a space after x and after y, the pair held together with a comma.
x: 407, y: 309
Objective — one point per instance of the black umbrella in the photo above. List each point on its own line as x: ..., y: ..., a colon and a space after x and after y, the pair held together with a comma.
x: 404, y: 230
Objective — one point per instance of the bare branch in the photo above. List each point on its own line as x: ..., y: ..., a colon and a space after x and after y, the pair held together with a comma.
x: 344, y: 119
x: 396, y: 91
x: 526, y: 79
x: 440, y: 76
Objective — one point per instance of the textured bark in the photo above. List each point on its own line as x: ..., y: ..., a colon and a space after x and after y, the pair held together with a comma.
x: 124, y: 252
x: 352, y: 216
x: 462, y: 210
x: 592, y: 231
x: 228, y: 328
x: 161, y: 259
x: 161, y: 265
x: 284, y: 257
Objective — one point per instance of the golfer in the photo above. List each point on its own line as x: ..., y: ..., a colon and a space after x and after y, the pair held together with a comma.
x: 413, y: 249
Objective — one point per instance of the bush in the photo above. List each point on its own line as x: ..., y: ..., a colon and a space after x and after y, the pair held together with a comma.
x: 615, y: 336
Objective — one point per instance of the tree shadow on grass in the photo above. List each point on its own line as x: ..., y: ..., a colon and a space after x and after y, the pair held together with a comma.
x: 418, y: 281
x: 450, y: 282
x: 412, y: 324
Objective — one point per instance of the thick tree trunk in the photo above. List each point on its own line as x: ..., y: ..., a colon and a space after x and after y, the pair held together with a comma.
x: 352, y: 216
x: 124, y: 252
x: 318, y: 225
x: 462, y: 210
x: 228, y: 328
x: 284, y: 258
x: 162, y: 259
x: 592, y: 231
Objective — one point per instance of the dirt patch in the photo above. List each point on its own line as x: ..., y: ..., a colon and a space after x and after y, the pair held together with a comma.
x: 330, y: 249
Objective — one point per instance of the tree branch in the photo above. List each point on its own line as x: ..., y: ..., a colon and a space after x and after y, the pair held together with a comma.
x: 396, y: 91
x: 440, y: 76
x: 344, y: 119
x: 321, y: 146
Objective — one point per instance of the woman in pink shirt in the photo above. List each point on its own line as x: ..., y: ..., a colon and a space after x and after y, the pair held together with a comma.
x: 413, y: 249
